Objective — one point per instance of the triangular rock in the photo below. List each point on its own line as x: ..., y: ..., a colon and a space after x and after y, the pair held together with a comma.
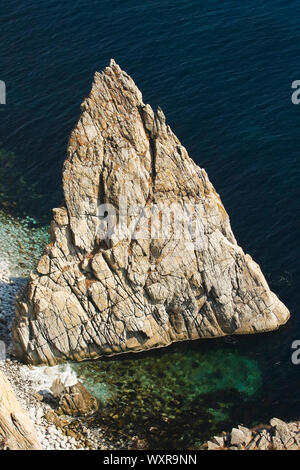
x: 145, y: 285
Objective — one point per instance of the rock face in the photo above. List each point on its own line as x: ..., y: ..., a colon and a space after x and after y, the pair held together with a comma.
x: 74, y: 399
x: 77, y: 401
x: 279, y: 435
x: 142, y: 286
x: 16, y: 428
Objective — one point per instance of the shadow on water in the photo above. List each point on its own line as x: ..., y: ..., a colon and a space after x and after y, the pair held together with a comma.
x: 21, y: 197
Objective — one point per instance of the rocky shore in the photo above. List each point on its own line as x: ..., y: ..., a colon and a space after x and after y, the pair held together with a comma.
x: 53, y: 432
x: 56, y: 433
x: 278, y: 435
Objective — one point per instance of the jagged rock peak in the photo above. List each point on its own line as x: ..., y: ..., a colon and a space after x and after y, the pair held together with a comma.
x: 142, y: 253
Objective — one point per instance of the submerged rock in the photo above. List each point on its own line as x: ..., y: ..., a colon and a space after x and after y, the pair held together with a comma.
x: 164, y: 267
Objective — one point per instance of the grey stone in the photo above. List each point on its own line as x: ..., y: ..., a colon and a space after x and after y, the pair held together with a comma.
x: 16, y: 428
x: 247, y: 434
x: 277, y: 443
x: 212, y: 446
x: 263, y: 443
x: 251, y: 445
x: 282, y: 431
x: 277, y: 422
x: 219, y: 441
x: 237, y: 437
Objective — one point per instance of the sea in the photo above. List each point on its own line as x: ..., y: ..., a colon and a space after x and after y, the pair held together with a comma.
x: 222, y: 71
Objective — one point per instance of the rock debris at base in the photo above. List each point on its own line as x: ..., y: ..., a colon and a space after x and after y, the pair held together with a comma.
x: 139, y: 283
x: 279, y: 435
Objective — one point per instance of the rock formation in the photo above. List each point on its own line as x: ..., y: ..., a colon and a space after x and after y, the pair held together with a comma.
x: 105, y: 288
x: 279, y: 435
x: 16, y: 428
x: 73, y: 398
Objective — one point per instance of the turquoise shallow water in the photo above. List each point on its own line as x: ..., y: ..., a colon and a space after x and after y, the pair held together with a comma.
x: 222, y: 73
x: 174, y: 397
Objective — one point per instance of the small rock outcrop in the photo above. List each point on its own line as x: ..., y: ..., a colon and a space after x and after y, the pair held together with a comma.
x: 74, y: 398
x: 279, y: 435
x: 104, y: 288
x: 16, y: 428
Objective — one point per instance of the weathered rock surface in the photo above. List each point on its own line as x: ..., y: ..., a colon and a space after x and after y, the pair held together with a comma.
x: 240, y: 436
x: 16, y: 428
x: 74, y: 399
x: 91, y: 297
x: 278, y: 436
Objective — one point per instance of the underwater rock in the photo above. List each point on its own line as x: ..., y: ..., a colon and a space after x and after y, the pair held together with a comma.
x: 16, y: 428
x: 142, y: 253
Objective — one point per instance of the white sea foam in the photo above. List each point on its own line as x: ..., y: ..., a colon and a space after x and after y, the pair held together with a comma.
x: 43, y: 377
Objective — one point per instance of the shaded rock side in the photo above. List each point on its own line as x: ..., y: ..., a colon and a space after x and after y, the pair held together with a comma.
x: 16, y: 428
x: 90, y: 297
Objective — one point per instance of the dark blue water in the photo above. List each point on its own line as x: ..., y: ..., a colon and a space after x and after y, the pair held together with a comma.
x: 222, y: 72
